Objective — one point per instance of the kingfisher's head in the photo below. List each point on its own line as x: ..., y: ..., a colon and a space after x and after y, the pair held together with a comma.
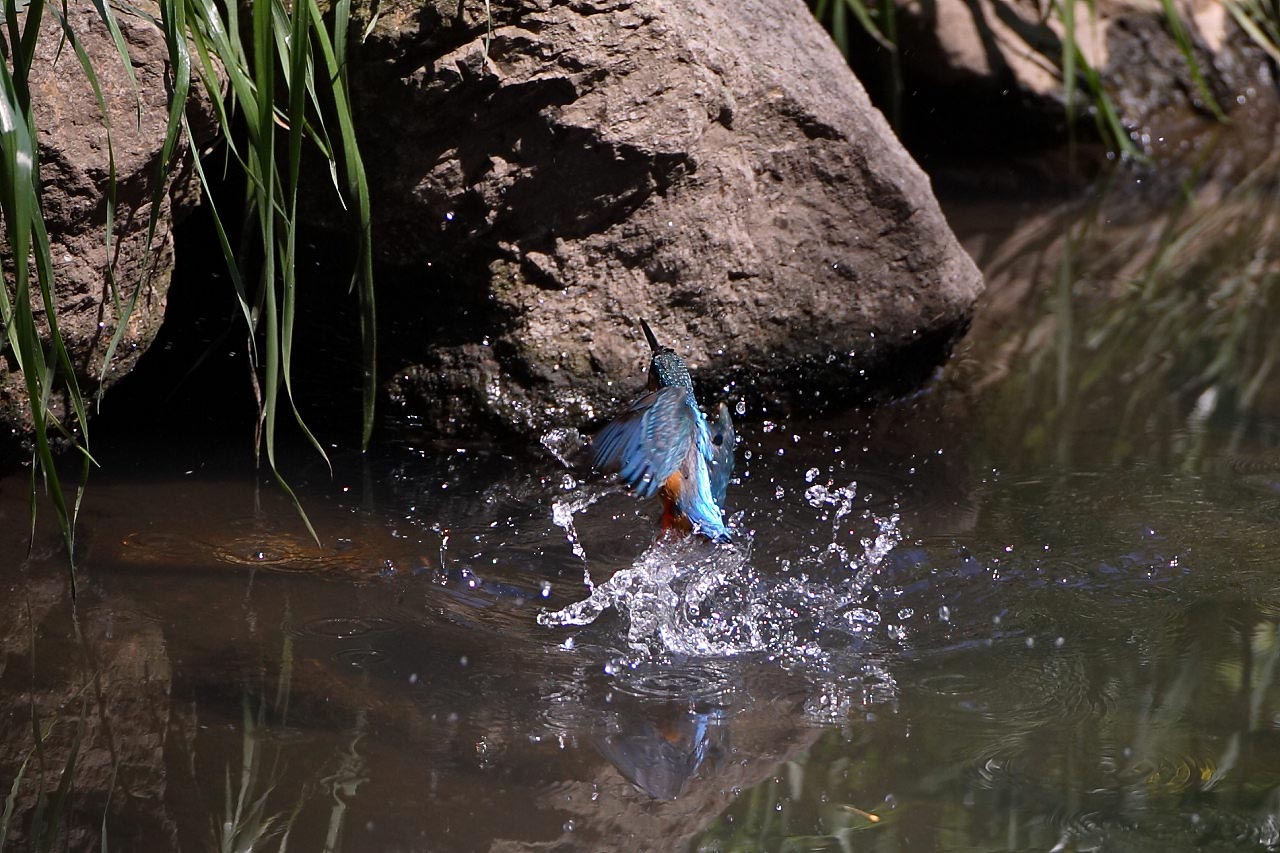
x: 666, y: 369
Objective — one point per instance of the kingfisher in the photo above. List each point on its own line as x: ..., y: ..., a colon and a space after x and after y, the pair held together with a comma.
x: 662, y: 444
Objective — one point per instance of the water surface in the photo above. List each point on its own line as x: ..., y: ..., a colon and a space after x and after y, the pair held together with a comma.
x: 1031, y: 607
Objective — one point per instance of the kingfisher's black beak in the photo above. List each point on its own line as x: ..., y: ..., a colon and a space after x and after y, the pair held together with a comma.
x: 648, y: 333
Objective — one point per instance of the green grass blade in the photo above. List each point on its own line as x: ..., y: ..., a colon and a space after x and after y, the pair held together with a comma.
x: 1269, y: 43
x: 224, y: 243
x: 11, y: 801
x: 863, y: 16
x: 299, y: 56
x: 14, y: 35
x: 122, y: 49
x: 59, y: 806
x: 86, y: 64
x: 358, y: 192
x: 27, y: 241
x: 1179, y: 31
x: 173, y: 20
x: 106, y: 810
x: 222, y: 40
x: 25, y: 47
x: 1067, y: 12
x: 44, y: 269
x: 840, y: 28
x: 269, y: 207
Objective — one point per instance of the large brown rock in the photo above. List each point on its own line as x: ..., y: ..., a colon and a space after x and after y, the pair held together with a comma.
x: 713, y: 167
x: 74, y: 180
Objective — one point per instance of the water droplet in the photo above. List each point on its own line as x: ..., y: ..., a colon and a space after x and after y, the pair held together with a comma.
x: 811, y: 475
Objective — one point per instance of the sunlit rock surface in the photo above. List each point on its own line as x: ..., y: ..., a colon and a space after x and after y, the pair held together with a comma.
x: 74, y: 179
x: 712, y: 167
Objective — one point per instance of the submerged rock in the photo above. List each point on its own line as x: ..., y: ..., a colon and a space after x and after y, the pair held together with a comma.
x: 712, y: 167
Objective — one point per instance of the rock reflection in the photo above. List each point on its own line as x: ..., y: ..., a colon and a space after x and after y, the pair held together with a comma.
x: 85, y: 692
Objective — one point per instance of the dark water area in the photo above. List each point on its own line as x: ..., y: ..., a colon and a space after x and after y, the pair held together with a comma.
x: 1031, y: 607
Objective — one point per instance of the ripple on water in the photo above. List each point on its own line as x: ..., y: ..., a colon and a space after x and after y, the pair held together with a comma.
x: 147, y: 546
x: 247, y: 542
x: 359, y: 658
x: 275, y: 551
x: 1141, y: 800
x: 700, y: 681
x: 1142, y: 825
x: 252, y: 542
x: 348, y: 627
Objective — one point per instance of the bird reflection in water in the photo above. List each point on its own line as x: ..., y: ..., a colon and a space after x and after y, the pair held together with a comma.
x: 660, y: 746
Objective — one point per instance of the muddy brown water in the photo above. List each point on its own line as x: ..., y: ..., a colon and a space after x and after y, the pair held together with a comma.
x: 1033, y: 607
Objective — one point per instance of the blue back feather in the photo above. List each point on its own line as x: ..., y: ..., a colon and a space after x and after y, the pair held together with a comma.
x: 648, y: 442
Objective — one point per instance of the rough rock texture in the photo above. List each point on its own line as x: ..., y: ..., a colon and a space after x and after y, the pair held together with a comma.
x: 989, y: 71
x: 74, y: 180
x: 713, y: 167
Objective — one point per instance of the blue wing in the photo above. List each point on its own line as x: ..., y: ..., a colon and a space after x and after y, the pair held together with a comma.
x: 720, y: 462
x: 648, y: 442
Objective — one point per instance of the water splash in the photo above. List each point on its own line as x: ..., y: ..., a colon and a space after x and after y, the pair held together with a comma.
x: 565, y: 507
x: 564, y: 444
x: 692, y: 597
x: 679, y: 599
x: 835, y: 505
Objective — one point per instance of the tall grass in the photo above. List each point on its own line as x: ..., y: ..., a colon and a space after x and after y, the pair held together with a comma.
x: 878, y: 22
x: 285, y: 86
x: 44, y: 366
x: 1260, y: 20
x: 1081, y: 80
x: 286, y: 73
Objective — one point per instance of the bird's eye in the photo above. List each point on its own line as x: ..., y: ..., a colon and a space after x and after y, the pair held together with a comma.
x: 717, y: 440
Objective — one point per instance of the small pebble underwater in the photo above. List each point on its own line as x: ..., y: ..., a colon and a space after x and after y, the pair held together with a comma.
x: 1031, y: 607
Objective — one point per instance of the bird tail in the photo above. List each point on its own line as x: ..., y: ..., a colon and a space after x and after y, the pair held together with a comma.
x: 694, y: 499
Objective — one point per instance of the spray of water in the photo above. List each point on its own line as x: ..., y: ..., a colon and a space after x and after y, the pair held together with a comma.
x: 692, y: 597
